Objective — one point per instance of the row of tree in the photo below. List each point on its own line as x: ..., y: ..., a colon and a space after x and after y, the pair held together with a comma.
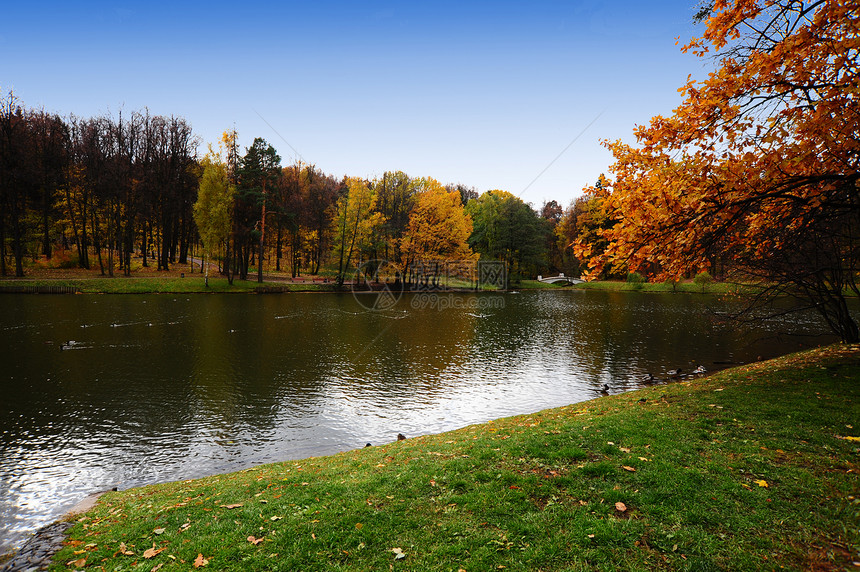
x: 112, y: 187
x: 313, y: 218
x: 104, y: 186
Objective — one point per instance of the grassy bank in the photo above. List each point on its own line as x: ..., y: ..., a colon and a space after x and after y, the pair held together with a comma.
x: 621, y: 286
x: 690, y: 287
x: 179, y: 280
x: 754, y: 468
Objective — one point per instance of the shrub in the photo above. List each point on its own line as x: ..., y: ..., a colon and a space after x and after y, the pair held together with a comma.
x: 635, y: 279
x: 703, y: 279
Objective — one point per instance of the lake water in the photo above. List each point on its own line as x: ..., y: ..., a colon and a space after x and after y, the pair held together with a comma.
x: 120, y: 391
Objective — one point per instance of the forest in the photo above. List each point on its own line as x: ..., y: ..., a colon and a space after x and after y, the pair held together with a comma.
x: 116, y: 192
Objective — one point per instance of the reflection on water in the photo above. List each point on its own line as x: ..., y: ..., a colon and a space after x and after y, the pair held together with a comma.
x: 104, y: 391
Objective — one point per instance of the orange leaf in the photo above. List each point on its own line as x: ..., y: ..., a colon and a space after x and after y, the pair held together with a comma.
x: 626, y: 468
x: 255, y: 541
x: 237, y: 505
x: 200, y: 562
x: 150, y: 552
x: 620, y: 506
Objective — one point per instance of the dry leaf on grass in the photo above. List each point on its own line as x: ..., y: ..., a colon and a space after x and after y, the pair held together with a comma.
x: 152, y: 552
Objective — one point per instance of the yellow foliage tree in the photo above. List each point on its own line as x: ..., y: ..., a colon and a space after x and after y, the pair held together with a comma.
x: 438, y: 230
x: 356, y: 223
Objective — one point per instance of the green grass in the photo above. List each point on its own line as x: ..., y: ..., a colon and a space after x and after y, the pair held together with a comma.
x: 158, y: 285
x: 539, y: 492
x: 711, y: 288
x: 535, y: 285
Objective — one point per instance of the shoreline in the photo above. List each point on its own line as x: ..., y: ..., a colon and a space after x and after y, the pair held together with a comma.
x: 443, y: 460
x: 219, y: 285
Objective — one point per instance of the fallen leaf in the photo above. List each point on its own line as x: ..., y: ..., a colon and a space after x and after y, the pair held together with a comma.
x: 644, y: 459
x: 200, y: 562
x: 851, y: 438
x: 620, y: 506
x: 626, y: 468
x: 398, y: 553
x: 761, y: 483
x: 231, y: 506
x: 151, y: 552
x: 624, y: 449
x: 77, y: 563
x: 159, y: 531
x: 274, y: 518
x: 358, y: 526
x: 157, y: 567
x: 590, y: 536
x: 124, y: 549
x: 255, y: 541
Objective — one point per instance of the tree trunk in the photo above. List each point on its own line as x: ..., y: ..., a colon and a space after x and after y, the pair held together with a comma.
x: 2, y: 242
x: 17, y: 239
x: 46, y: 225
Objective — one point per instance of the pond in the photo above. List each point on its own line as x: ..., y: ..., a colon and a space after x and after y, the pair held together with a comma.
x: 102, y: 391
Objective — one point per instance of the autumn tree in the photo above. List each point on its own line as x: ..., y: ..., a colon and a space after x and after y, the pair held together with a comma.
x: 395, y: 197
x: 356, y: 223
x: 758, y: 165
x: 438, y: 231
x: 214, y: 206
x: 320, y: 195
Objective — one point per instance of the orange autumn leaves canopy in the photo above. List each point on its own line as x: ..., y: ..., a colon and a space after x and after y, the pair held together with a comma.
x: 760, y: 154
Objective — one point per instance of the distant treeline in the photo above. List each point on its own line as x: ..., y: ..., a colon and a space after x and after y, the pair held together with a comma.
x: 106, y: 188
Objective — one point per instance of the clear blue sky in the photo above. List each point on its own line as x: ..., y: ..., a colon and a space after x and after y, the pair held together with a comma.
x: 483, y: 93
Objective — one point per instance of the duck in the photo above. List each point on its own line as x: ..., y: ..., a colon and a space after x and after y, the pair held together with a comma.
x: 674, y: 372
x: 401, y: 437
x: 700, y: 370
x: 648, y: 378
x: 605, y: 389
